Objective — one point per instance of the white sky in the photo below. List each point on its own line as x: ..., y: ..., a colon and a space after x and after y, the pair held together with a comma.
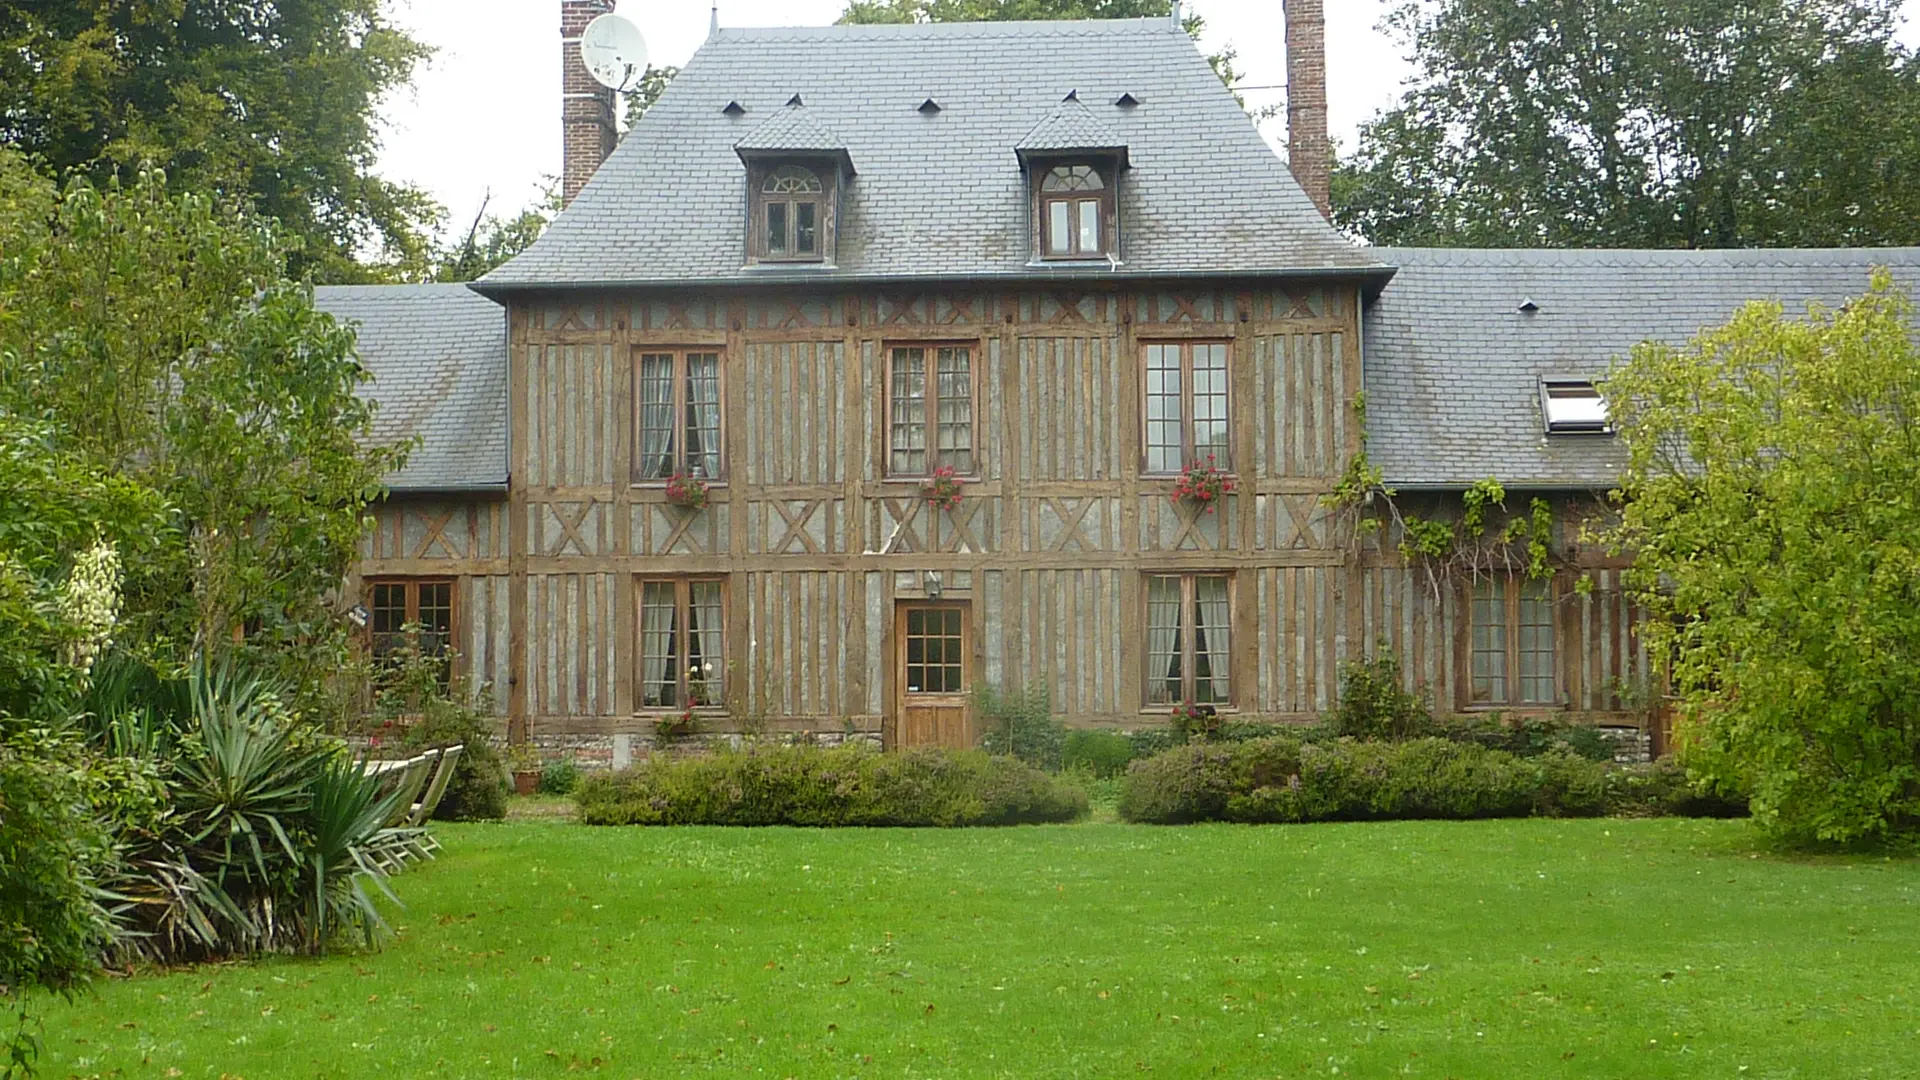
x: 484, y: 114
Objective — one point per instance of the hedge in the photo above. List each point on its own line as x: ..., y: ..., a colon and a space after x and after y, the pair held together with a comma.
x: 849, y: 785
x: 1287, y: 780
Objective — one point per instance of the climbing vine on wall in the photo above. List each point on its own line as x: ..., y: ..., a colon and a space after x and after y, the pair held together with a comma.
x: 1447, y: 546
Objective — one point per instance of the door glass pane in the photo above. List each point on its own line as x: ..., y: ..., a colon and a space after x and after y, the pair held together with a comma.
x: 436, y: 617
x: 956, y: 409
x: 1210, y: 403
x: 776, y: 228
x: 908, y: 455
x: 706, y: 646
x: 659, y: 647
x: 387, y: 618
x: 1164, y: 674
x: 1059, y: 227
x: 1163, y: 409
x: 1090, y: 226
x: 703, y: 415
x: 936, y: 659
x: 1536, y: 644
x: 655, y: 437
x: 1489, y: 641
x: 804, y: 228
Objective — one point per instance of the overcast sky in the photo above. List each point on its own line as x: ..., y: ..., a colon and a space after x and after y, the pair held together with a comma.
x: 484, y: 114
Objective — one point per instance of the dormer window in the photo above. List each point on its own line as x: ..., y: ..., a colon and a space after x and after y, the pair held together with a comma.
x: 1075, y: 202
x: 792, y: 208
x: 1573, y: 407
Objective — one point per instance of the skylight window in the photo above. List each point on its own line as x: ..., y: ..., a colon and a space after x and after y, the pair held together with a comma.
x: 1574, y: 407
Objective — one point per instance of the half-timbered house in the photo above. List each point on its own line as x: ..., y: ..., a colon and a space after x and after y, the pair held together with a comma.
x: 1057, y: 260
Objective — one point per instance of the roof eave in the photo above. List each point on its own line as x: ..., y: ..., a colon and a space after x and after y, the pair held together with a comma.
x: 485, y: 488
x: 1029, y: 155
x: 749, y: 155
x: 1371, y: 277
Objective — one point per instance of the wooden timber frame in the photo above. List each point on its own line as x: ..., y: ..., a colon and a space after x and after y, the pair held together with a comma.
x: 1049, y: 548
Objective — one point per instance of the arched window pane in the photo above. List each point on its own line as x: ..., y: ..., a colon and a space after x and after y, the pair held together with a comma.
x: 1072, y: 178
x: 792, y: 180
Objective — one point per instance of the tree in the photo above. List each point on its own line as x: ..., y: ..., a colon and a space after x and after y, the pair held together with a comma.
x: 274, y: 100
x: 157, y: 342
x: 641, y: 95
x: 1772, y: 505
x: 1643, y: 123
x: 491, y: 240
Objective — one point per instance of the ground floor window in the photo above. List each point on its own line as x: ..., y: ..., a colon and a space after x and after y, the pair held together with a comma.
x: 1513, y: 653
x: 400, y: 608
x: 682, y: 643
x: 1189, y: 639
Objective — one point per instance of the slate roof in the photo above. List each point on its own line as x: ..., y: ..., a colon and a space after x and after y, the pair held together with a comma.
x: 1453, y: 367
x: 438, y: 356
x: 939, y: 194
x: 792, y: 128
x: 1070, y: 126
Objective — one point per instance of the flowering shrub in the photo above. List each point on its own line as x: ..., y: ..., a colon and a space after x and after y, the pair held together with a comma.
x: 943, y: 489
x: 1202, y: 485
x: 687, y: 491
x: 92, y: 602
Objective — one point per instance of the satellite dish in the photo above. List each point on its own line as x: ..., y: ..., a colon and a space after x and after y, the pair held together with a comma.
x: 614, y: 52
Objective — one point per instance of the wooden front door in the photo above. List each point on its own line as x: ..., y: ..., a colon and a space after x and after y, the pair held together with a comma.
x: 930, y: 679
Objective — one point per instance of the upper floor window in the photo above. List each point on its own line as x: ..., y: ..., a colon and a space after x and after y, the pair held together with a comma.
x: 930, y: 410
x: 1186, y: 405
x: 677, y: 415
x: 1513, y: 655
x: 792, y: 210
x: 1075, y: 202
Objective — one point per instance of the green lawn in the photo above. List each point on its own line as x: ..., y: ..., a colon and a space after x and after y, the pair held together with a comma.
x: 1502, y: 949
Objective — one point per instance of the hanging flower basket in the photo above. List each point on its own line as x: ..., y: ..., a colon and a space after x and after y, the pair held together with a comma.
x: 677, y: 724
x: 1202, y: 486
x: 943, y: 489
x: 686, y: 491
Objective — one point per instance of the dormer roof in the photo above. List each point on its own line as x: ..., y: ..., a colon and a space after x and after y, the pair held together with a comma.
x: 1072, y: 128
x: 793, y: 130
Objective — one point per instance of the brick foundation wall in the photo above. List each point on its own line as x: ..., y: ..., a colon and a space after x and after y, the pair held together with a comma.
x: 587, y: 119
x: 1309, y: 149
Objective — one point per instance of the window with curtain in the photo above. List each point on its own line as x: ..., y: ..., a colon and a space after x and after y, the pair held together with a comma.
x: 404, y: 611
x: 930, y: 410
x: 682, y: 647
x: 677, y: 415
x: 1073, y: 212
x: 1189, y: 639
x: 1186, y: 406
x: 791, y: 214
x: 1512, y: 646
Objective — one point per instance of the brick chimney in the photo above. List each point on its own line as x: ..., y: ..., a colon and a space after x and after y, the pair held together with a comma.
x: 586, y: 116
x: 1309, y: 150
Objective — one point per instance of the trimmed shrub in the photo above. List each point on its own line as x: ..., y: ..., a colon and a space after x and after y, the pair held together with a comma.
x: 1290, y: 780
x: 841, y: 786
x: 1664, y: 789
x: 559, y: 778
x: 1527, y: 736
x: 1097, y: 753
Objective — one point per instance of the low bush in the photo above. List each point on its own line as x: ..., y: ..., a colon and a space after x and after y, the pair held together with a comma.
x: 1374, y: 703
x: 1287, y: 779
x: 1527, y: 736
x: 1096, y: 753
x: 559, y: 778
x: 1664, y: 789
x: 841, y: 786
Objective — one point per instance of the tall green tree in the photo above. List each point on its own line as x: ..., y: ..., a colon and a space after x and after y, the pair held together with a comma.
x: 1643, y: 123
x: 275, y: 101
x: 1772, y: 505
x: 155, y: 339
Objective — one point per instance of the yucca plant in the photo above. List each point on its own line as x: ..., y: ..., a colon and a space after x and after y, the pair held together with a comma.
x: 346, y: 815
